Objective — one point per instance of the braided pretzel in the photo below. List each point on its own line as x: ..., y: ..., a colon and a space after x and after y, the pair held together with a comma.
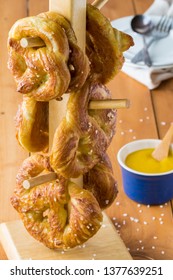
x: 43, y: 73
x: 104, y: 46
x: 100, y: 181
x: 59, y: 214
x: 32, y: 125
x: 83, y: 136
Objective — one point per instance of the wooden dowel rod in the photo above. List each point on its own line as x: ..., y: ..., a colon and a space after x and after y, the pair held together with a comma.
x: 99, y: 3
x: 109, y: 104
x: 36, y: 181
x: 31, y: 42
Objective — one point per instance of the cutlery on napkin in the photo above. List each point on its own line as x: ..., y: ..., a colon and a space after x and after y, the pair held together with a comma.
x: 152, y: 76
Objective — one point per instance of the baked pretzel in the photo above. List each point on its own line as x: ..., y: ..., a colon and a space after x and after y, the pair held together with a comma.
x: 31, y: 123
x: 45, y: 73
x: 104, y: 46
x: 59, y: 214
x: 83, y: 135
x: 100, y: 181
x: 78, y: 62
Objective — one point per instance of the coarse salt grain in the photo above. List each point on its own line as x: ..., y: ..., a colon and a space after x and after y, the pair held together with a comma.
x: 163, y: 123
x: 155, y: 237
x: 162, y: 252
x: 153, y: 247
x: 117, y: 203
x: 145, y: 223
x: 139, y: 205
x: 125, y: 214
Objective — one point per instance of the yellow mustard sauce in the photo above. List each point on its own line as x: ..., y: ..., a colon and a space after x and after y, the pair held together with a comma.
x: 143, y: 161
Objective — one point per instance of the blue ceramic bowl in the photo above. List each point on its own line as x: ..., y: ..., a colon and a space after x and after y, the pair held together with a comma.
x: 141, y: 187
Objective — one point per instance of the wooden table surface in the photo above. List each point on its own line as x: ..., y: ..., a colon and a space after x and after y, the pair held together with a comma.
x: 147, y: 231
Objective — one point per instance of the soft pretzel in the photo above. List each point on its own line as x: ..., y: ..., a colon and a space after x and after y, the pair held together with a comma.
x: 83, y: 136
x: 100, y: 181
x: 46, y: 73
x: 78, y: 62
x: 59, y: 214
x: 32, y: 125
x: 104, y: 46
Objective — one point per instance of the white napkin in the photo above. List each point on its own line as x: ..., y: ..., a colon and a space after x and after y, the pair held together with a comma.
x: 152, y: 76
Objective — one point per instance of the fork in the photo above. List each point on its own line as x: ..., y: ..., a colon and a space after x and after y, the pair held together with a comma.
x: 161, y: 30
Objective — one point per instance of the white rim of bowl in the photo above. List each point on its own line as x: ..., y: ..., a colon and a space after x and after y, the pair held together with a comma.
x: 122, y: 164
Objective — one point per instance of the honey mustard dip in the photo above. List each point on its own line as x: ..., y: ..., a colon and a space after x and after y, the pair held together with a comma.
x: 143, y: 161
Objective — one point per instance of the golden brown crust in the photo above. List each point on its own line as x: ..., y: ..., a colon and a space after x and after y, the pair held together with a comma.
x: 104, y: 46
x: 59, y: 214
x: 40, y: 72
x: 100, y: 181
x: 83, y: 136
x: 47, y: 72
x: 78, y: 62
x: 31, y: 123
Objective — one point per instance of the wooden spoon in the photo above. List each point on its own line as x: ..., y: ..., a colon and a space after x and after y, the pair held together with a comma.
x: 162, y: 150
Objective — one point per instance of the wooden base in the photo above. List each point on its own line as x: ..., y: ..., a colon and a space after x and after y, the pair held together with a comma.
x: 105, y: 245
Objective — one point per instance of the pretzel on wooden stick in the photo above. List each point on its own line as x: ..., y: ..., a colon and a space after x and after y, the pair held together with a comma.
x: 38, y: 42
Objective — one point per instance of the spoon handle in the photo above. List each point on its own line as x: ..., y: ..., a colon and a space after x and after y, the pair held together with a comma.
x: 147, y: 59
x: 162, y: 150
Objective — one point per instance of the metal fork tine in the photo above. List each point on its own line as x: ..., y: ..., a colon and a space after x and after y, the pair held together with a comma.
x: 160, y: 23
x: 164, y: 24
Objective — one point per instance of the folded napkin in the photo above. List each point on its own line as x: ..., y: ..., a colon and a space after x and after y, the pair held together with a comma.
x: 152, y: 76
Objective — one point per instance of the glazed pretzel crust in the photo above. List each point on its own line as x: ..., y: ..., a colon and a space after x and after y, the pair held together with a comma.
x: 104, y: 46
x: 47, y: 72
x: 83, y: 136
x: 31, y: 124
x: 59, y: 214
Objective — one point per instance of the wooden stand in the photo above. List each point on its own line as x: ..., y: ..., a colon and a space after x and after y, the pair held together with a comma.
x: 105, y: 245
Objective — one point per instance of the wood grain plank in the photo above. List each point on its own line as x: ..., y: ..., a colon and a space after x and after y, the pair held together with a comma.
x: 141, y: 227
x: 141, y: 6
x: 23, y: 246
x: 11, y: 153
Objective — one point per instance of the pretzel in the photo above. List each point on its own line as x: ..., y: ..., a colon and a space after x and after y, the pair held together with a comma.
x: 31, y: 123
x: 78, y: 62
x: 100, y: 181
x: 104, y: 46
x: 59, y: 214
x: 83, y: 135
x: 45, y: 73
